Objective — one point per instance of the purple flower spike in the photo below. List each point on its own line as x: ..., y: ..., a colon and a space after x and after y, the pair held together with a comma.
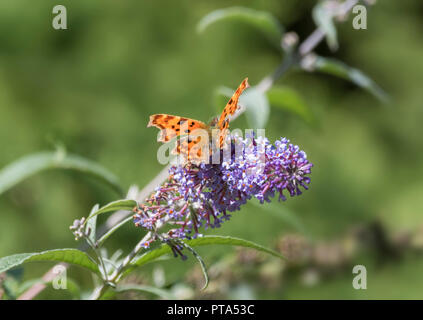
x: 203, y: 195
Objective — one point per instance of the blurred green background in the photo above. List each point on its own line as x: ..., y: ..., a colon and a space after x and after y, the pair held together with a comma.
x: 92, y: 88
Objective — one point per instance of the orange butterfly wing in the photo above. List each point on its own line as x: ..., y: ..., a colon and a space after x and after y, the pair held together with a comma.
x: 191, y: 145
x: 173, y: 126
x: 230, y: 108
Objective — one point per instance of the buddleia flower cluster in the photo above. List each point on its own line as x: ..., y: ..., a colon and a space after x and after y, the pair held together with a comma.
x: 203, y: 196
x: 79, y: 229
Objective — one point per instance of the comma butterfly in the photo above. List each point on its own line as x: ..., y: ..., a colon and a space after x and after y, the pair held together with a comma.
x: 192, y: 145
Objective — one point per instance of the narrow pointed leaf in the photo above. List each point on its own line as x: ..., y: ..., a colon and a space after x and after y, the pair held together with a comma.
x: 29, y: 165
x: 105, y: 236
x: 202, y: 241
x: 125, y: 204
x: 340, y: 69
x: 92, y: 224
x: 73, y: 256
x: 201, y: 262
x: 323, y: 17
x: 261, y: 20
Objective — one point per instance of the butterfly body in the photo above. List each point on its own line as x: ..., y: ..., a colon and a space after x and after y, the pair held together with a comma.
x: 175, y: 126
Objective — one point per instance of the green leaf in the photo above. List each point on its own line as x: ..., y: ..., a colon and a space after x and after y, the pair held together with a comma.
x: 257, y: 108
x: 72, y: 256
x: 261, y: 20
x: 202, y: 264
x: 92, y: 224
x: 159, y: 292
x: 16, y: 273
x: 29, y: 165
x: 323, y: 17
x: 340, y: 69
x: 11, y: 288
x: 105, y: 236
x: 124, y: 204
x: 255, y: 102
x: 288, y: 99
x: 202, y: 241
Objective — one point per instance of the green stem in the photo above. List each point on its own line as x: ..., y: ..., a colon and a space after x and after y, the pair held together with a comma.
x: 99, y: 257
x: 115, y: 277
